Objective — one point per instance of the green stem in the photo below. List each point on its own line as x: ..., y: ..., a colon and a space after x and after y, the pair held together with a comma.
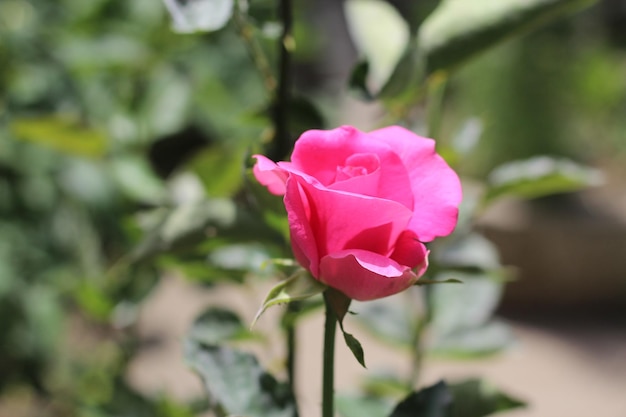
x: 290, y: 336
x: 418, y: 348
x: 328, y: 378
x: 282, y: 141
x: 246, y: 32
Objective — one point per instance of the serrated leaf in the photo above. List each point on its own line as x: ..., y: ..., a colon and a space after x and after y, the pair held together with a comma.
x: 460, y: 29
x: 381, y: 35
x: 299, y: 286
x: 199, y: 15
x: 539, y: 176
x: 477, y: 398
x: 236, y: 384
x: 355, y: 347
x: 433, y: 401
x: 217, y: 325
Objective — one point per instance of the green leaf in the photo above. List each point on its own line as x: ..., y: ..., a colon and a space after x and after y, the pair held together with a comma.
x: 472, y: 343
x: 384, y: 385
x: 468, y: 251
x: 185, y: 225
x: 477, y: 398
x: 299, y: 286
x: 388, y: 320
x: 236, y: 384
x: 539, y: 176
x: 217, y: 325
x: 199, y: 15
x: 460, y: 29
x: 380, y: 34
x: 355, y: 347
x: 470, y: 398
x: 136, y: 179
x: 433, y: 401
x: 220, y: 169
x: 461, y: 325
x: 362, y: 406
x: 63, y: 133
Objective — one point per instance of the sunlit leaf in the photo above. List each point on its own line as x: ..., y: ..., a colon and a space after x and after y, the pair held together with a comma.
x: 186, y: 224
x: 299, y: 286
x: 460, y: 29
x: 217, y: 325
x: 65, y: 134
x: 468, y: 251
x: 461, y: 324
x: 199, y: 15
x: 384, y: 385
x: 236, y: 384
x: 381, y: 35
x: 475, y: 342
x: 220, y: 168
x: 539, y: 176
x: 388, y: 320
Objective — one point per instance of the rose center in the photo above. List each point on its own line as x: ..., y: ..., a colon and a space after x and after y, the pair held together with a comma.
x: 357, y: 165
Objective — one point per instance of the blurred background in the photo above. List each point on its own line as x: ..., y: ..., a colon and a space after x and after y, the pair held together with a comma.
x: 107, y: 116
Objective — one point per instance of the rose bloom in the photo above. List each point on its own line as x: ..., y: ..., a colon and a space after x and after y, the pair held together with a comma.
x: 360, y: 205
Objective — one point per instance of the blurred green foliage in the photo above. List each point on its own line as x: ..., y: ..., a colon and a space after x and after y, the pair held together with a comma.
x: 123, y: 153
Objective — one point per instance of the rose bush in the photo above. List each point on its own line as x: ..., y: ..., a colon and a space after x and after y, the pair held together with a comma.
x: 360, y: 205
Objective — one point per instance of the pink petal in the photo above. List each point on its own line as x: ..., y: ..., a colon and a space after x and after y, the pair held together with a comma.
x: 270, y: 175
x: 343, y: 220
x: 363, y: 275
x: 303, y: 242
x: 436, y: 187
x: 409, y: 251
x: 322, y: 153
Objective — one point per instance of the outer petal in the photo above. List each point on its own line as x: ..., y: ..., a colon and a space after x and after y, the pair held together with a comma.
x: 343, y: 220
x: 303, y: 240
x: 436, y: 187
x: 270, y: 175
x: 363, y: 275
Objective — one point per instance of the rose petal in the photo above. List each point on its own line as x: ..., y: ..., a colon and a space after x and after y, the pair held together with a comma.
x: 436, y: 187
x: 303, y: 241
x: 320, y: 153
x: 343, y: 220
x: 363, y: 275
x: 409, y: 251
x: 270, y: 175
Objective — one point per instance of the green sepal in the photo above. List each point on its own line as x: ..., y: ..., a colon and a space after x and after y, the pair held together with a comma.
x: 299, y: 286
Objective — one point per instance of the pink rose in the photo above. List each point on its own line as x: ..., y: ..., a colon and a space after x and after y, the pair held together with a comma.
x: 361, y: 204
